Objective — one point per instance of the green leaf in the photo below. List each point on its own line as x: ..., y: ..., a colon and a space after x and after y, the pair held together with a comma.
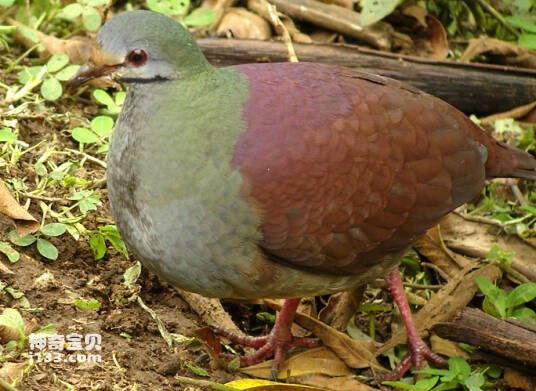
x: 169, y: 7
x: 521, y: 294
x: 47, y: 330
x: 96, y: 3
x: 91, y: 19
x: 460, y: 367
x: 197, y: 370
x: 375, y: 10
x: 11, y: 318
x: 54, y: 229
x: 132, y: 274
x: 522, y: 23
x: 40, y: 169
x: 29, y: 73
x: 47, y: 249
x: 496, y: 296
x: 111, y: 234
x: 527, y: 40
x: 91, y: 304
x: 57, y: 62
x: 475, y: 382
x: 427, y: 383
x: 11, y: 254
x: 102, y: 125
x: 84, y: 135
x: 98, y: 246
x: 524, y: 314
x: 6, y: 3
x: 29, y: 34
x: 499, y: 255
x: 17, y: 240
x: 67, y: 72
x: 7, y: 135
x: 103, y: 97
x: 51, y: 89
x: 70, y: 12
x: 200, y: 17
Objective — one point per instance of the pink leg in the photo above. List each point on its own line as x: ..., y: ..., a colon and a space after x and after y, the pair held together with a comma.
x: 418, y: 351
x: 275, y: 344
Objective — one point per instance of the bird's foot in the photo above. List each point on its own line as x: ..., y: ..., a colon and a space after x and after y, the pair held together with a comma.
x: 275, y: 344
x: 418, y: 353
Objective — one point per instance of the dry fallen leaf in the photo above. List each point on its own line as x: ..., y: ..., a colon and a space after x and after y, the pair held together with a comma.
x: 244, y: 24
x: 320, y: 360
x: 24, y: 222
x: 509, y: 52
x: 517, y: 380
x: 341, y: 307
x: 476, y: 238
x: 432, y: 246
x: 356, y: 354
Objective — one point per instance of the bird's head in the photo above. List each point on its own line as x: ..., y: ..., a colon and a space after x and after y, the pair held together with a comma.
x: 141, y: 47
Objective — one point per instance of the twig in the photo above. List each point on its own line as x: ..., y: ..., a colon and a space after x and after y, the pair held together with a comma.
x: 269, y: 11
x: 498, y: 16
x: 44, y: 198
x: 87, y: 156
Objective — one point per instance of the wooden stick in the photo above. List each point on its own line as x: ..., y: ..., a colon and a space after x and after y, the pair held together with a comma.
x: 473, y: 88
x: 511, y: 339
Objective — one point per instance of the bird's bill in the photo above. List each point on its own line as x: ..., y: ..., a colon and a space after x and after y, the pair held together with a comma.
x: 100, y: 64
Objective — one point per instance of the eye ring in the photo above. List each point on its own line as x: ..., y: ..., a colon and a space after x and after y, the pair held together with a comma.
x: 137, y: 57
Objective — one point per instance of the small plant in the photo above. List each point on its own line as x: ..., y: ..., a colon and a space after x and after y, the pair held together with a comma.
x: 113, y: 104
x: 90, y: 305
x: 84, y: 11
x: 101, y: 128
x: 48, y: 76
x: 11, y: 319
x: 502, y: 305
x: 105, y: 233
x: 198, y: 17
x: 45, y: 247
x: 458, y: 376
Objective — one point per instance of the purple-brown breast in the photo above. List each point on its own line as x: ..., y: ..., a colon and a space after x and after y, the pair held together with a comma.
x: 346, y: 168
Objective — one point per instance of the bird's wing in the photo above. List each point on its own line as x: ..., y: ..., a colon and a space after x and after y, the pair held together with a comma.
x: 347, y: 168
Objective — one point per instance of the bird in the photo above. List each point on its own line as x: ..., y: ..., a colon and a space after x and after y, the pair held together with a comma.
x: 279, y: 180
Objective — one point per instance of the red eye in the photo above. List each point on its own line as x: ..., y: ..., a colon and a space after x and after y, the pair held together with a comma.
x: 137, y: 57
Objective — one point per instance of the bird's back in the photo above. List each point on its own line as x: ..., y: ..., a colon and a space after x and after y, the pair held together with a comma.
x: 347, y: 167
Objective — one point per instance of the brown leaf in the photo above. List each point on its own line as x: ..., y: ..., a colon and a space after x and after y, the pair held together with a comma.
x: 431, y: 245
x: 517, y: 380
x: 475, y: 237
x: 210, y: 311
x: 447, y: 348
x: 244, y: 24
x: 24, y: 222
x: 341, y: 307
x: 356, y: 354
x: 318, y: 360
x: 522, y: 112
x: 13, y: 370
x: 508, y: 52
x: 438, y: 38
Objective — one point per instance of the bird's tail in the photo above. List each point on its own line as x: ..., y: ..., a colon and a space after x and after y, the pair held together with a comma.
x: 505, y: 161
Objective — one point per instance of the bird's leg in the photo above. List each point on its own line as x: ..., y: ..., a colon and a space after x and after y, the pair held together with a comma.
x: 275, y: 344
x: 418, y: 351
